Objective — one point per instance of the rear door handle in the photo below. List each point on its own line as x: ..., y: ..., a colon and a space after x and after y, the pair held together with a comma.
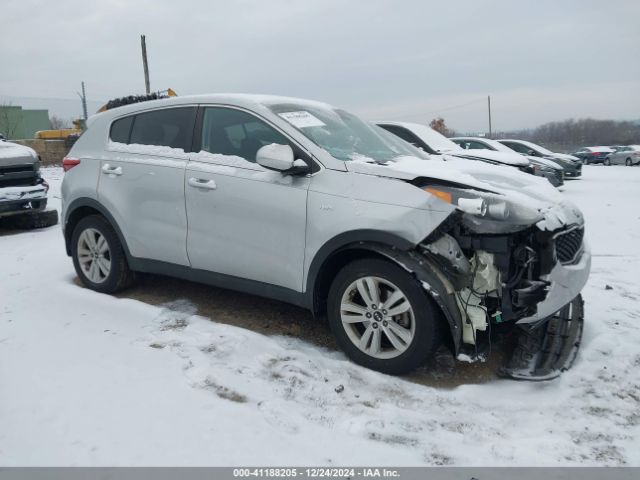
x: 109, y: 170
x: 202, y: 183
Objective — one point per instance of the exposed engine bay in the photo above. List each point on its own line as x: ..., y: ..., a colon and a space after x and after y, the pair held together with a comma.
x: 499, y: 280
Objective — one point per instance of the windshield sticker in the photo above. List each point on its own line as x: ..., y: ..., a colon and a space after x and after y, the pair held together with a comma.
x: 302, y: 119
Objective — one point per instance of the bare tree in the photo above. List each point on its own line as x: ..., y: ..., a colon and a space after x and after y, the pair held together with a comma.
x: 58, y: 123
x: 569, y: 135
x: 440, y: 126
x: 8, y: 125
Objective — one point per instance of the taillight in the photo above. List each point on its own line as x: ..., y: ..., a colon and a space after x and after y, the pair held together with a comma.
x: 68, y: 163
x: 595, y: 153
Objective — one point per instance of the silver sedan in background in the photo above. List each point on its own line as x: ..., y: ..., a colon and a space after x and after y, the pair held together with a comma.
x: 629, y: 155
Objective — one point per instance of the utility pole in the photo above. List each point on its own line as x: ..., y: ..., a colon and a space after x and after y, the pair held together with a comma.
x: 83, y: 97
x: 145, y: 65
x: 489, y: 105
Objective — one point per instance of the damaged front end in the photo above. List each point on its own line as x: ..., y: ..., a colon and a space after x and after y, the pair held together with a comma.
x: 512, y: 266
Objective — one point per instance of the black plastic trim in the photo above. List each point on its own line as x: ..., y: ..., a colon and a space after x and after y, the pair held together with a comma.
x: 220, y: 280
x: 354, y: 239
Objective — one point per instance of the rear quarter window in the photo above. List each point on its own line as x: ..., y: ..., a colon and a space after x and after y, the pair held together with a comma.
x: 120, y: 130
x: 169, y: 127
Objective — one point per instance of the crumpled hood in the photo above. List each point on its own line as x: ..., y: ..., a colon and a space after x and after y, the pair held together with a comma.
x: 514, y: 159
x: 15, y: 154
x: 516, y: 186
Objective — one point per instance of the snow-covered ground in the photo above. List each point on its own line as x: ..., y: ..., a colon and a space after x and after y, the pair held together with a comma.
x: 90, y: 379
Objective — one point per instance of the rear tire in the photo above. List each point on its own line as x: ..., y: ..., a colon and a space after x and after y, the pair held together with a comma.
x: 393, y: 330
x: 98, y: 256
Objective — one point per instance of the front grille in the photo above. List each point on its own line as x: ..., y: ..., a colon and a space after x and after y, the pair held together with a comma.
x: 569, y: 244
x: 16, y: 169
x: 18, y: 175
x: 559, y: 174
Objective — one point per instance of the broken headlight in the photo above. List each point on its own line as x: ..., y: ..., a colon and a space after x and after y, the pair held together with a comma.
x: 486, y: 212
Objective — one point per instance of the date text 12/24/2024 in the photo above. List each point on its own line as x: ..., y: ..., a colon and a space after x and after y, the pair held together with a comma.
x: 319, y: 472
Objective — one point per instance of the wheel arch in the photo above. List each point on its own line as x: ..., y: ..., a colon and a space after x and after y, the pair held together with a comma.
x: 397, y: 250
x: 83, y: 207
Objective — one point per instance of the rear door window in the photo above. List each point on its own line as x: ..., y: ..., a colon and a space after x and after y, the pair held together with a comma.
x: 169, y: 127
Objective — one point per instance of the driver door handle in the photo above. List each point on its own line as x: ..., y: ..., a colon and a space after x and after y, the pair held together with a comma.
x: 202, y: 183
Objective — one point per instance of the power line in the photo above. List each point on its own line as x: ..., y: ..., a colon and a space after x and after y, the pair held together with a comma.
x: 456, y: 106
x: 440, y: 110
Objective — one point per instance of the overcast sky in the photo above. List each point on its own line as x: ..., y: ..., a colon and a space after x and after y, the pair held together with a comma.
x: 413, y: 60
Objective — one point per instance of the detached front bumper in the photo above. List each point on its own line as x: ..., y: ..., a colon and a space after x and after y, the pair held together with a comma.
x: 566, y: 282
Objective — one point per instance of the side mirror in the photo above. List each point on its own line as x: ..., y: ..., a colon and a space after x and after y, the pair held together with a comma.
x: 281, y: 159
x: 275, y: 157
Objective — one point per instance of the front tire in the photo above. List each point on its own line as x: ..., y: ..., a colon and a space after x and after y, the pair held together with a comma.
x: 98, y: 256
x: 382, y: 318
x: 627, y: 162
x: 607, y: 161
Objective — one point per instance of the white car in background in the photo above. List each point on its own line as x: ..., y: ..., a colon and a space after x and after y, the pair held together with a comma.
x: 546, y: 167
x: 435, y: 143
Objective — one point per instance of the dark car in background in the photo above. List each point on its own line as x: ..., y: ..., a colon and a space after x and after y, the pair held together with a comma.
x: 572, y: 165
x: 593, y: 155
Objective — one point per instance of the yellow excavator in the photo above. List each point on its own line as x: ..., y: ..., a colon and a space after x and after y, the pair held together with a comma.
x: 61, y: 133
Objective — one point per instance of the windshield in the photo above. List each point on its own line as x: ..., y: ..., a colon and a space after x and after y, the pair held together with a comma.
x: 540, y: 149
x: 433, y: 139
x: 343, y: 135
x: 495, y: 145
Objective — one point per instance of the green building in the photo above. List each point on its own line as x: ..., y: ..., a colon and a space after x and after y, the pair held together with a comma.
x: 17, y: 123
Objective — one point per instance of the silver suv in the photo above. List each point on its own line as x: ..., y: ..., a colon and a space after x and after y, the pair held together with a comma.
x: 305, y: 203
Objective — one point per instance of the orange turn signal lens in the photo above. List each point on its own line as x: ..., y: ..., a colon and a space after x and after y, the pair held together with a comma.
x: 444, y: 196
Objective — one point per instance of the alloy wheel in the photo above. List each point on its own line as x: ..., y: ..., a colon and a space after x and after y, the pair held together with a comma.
x: 377, y: 317
x: 94, y: 255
